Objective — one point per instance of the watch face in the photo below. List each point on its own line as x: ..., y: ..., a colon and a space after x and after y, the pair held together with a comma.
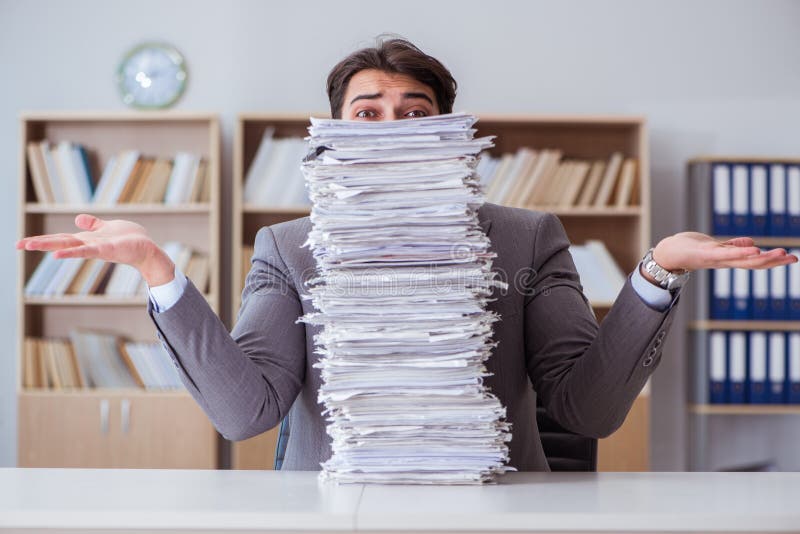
x: 152, y: 75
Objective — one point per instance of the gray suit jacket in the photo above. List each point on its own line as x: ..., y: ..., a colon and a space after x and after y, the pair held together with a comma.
x: 549, y: 343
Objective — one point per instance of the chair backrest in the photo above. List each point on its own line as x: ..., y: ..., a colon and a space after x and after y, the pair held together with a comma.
x: 280, y: 448
x: 564, y: 450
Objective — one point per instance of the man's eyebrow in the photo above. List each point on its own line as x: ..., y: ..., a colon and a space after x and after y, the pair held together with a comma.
x: 418, y: 95
x: 373, y: 96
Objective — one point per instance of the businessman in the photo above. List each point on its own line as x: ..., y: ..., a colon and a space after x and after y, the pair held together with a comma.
x: 549, y: 343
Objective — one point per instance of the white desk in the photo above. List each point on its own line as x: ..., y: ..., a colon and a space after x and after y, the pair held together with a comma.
x: 71, y: 500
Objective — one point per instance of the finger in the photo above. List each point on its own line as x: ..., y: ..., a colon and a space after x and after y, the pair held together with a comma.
x: 83, y: 251
x: 84, y: 221
x: 740, y: 242
x: 51, y: 242
x: 732, y: 253
x: 765, y: 261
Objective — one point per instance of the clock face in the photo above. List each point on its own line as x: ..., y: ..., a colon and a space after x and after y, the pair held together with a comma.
x: 152, y: 75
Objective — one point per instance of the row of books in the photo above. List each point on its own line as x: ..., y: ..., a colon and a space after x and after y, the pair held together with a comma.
x: 758, y: 199
x: 61, y: 173
x: 96, y: 360
x: 754, y: 367
x: 274, y: 177
x: 542, y: 178
x: 78, y: 276
x: 763, y: 294
x: 601, y: 277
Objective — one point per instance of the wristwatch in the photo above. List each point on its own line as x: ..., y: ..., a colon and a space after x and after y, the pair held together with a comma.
x: 666, y: 279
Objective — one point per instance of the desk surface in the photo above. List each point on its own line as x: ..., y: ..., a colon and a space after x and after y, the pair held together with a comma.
x: 167, y: 500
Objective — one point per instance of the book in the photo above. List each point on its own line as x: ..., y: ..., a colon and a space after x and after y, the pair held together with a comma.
x: 627, y: 177
x: 154, y: 186
x: 589, y: 191
x: 38, y: 174
x: 184, y: 170
x: 256, y: 171
x: 499, y: 176
x: 606, y: 187
x: 575, y: 183
x: 137, y: 177
x: 546, y: 166
x: 555, y: 182
x: 30, y: 364
x: 198, y: 182
x: 600, y: 276
x: 197, y: 270
x: 519, y: 175
x: 51, y: 171
x: 109, y: 190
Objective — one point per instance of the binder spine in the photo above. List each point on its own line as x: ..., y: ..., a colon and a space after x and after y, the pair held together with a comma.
x: 777, y: 200
x: 793, y: 368
x: 757, y: 369
x: 776, y: 357
x: 718, y: 384
x: 741, y: 205
x: 759, y: 200
x: 737, y: 367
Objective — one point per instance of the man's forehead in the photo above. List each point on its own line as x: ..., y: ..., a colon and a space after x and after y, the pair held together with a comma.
x: 375, y: 81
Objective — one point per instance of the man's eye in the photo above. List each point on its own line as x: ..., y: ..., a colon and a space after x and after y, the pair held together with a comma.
x: 417, y: 113
x: 365, y: 114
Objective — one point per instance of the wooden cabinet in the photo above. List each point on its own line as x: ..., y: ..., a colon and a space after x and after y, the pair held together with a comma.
x: 625, y: 231
x: 115, y: 427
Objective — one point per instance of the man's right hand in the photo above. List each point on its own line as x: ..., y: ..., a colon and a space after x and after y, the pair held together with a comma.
x: 116, y: 241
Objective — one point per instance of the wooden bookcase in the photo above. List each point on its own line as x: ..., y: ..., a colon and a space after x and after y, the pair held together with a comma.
x: 132, y: 428
x: 625, y: 231
x: 698, y: 409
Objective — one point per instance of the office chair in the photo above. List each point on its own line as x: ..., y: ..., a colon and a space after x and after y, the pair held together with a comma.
x: 564, y: 450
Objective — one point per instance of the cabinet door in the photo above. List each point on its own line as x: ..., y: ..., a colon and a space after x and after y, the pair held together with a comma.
x: 627, y: 449
x: 257, y: 452
x: 163, y: 431
x: 65, y: 430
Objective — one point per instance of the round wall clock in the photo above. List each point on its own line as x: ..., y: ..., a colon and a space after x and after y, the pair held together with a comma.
x: 152, y: 76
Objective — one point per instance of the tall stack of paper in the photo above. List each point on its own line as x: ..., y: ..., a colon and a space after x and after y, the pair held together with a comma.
x: 403, y: 278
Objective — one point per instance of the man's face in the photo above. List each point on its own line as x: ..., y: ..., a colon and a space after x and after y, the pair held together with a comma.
x: 374, y: 95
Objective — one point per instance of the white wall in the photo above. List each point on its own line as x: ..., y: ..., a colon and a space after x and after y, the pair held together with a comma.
x: 712, y: 77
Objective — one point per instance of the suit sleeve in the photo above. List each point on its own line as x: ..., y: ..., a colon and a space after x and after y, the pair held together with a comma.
x: 245, y: 380
x: 586, y: 376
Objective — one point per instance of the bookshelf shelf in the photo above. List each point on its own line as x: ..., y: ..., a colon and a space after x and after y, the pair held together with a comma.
x: 744, y: 409
x: 111, y: 427
x: 119, y: 209
x: 624, y: 230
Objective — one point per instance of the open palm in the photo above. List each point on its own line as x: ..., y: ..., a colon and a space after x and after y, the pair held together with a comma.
x: 116, y: 241
x: 693, y: 250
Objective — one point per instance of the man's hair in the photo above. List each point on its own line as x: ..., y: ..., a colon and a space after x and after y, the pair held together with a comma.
x: 396, y: 56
